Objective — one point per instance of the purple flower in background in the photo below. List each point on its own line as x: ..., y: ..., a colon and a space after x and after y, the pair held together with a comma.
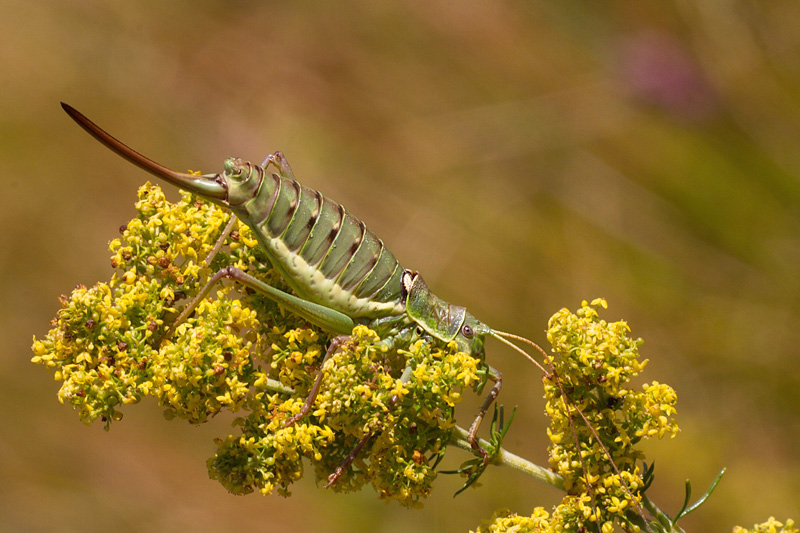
x: 659, y: 71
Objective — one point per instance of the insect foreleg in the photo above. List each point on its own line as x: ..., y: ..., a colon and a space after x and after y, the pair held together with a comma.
x: 319, y: 315
x: 472, y: 435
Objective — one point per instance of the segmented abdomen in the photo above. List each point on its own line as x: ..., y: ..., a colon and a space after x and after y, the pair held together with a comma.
x: 326, y: 254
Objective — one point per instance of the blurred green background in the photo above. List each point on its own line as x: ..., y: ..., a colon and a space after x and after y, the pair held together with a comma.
x: 522, y: 155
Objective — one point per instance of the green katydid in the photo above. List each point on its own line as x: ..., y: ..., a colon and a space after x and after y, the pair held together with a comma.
x: 341, y: 274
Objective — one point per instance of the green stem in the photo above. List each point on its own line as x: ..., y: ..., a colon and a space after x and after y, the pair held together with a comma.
x: 506, y: 458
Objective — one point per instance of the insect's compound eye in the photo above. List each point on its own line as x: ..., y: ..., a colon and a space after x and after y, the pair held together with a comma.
x: 466, y: 330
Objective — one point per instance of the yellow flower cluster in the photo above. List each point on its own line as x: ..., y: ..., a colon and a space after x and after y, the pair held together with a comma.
x: 410, y: 419
x: 266, y: 456
x: 593, y: 363
x: 770, y: 526
x: 504, y: 521
x: 117, y: 342
x: 107, y: 346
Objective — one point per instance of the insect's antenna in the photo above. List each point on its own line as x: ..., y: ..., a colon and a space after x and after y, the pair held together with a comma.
x: 567, y: 401
x: 503, y: 337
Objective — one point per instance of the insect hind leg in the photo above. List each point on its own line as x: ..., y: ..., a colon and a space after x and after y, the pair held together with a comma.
x: 336, y: 343
x: 345, y: 464
x: 226, y: 232
x: 347, y: 461
x: 319, y: 315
